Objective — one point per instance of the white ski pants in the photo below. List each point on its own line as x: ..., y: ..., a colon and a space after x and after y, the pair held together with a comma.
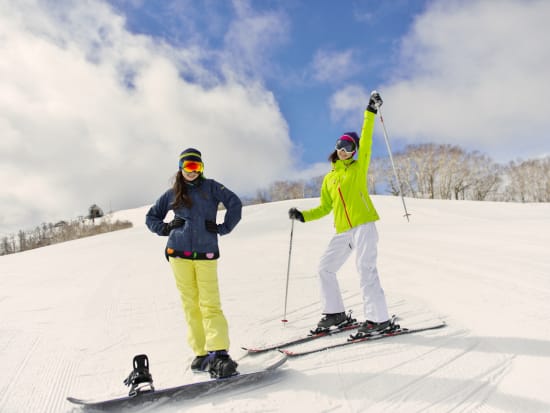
x: 364, y: 240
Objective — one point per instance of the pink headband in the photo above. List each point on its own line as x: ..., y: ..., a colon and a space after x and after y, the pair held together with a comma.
x: 347, y: 138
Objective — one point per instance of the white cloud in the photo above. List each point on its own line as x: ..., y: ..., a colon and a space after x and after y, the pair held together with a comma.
x: 251, y: 36
x: 347, y: 103
x: 475, y: 73
x: 90, y: 113
x: 332, y: 66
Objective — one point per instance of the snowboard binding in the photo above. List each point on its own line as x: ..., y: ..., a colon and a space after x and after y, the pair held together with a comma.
x: 140, y: 379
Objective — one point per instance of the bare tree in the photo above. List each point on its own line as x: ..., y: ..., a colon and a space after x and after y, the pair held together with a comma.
x: 94, y: 212
x: 484, y: 177
x: 7, y: 245
x: 282, y: 190
x: 528, y: 181
x: 375, y: 177
x: 313, y: 187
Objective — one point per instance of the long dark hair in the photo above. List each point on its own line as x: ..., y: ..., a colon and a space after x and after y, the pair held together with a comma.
x: 333, y: 157
x: 181, y: 197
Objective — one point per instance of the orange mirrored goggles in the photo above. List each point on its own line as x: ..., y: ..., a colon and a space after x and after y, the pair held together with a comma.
x: 192, y: 166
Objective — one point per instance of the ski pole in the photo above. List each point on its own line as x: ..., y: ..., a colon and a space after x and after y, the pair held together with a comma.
x: 284, y: 320
x: 392, y: 164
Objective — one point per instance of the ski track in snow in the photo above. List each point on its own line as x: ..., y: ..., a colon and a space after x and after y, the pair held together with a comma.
x: 75, y: 314
x: 43, y: 362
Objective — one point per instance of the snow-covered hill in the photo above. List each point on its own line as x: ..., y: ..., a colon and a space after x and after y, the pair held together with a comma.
x: 73, y: 315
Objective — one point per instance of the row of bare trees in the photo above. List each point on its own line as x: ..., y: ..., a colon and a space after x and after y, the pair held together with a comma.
x: 429, y: 171
x: 49, y: 233
x: 449, y: 172
x: 528, y: 181
x: 436, y: 171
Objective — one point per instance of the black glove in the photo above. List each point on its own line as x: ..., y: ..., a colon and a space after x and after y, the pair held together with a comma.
x: 293, y: 213
x: 169, y: 226
x: 211, y: 226
x: 375, y: 102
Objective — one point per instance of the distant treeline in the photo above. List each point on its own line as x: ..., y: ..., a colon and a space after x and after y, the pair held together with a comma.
x: 429, y: 171
x: 433, y: 171
x: 49, y: 233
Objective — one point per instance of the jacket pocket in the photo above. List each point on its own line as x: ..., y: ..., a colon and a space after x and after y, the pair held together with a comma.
x: 365, y: 202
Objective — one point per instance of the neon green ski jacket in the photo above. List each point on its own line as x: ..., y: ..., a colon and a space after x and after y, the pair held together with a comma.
x: 344, y: 190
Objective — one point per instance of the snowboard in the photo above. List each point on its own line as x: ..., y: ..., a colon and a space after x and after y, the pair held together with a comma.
x: 183, y: 392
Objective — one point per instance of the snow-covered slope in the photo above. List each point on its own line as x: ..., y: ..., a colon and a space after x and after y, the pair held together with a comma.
x: 73, y: 315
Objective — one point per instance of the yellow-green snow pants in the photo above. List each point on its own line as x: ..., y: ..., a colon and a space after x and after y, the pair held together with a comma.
x: 197, y: 282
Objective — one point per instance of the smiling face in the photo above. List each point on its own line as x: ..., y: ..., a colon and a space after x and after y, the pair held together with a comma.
x: 345, y: 147
x: 190, y: 176
x: 343, y: 155
x: 191, y: 170
x: 190, y: 164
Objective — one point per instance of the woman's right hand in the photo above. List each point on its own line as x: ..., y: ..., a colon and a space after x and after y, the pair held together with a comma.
x: 293, y: 213
x: 175, y: 223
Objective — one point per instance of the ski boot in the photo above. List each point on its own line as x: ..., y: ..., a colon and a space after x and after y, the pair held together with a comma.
x: 220, y: 365
x: 371, y: 328
x: 338, y: 320
x: 199, y: 363
x: 140, y: 380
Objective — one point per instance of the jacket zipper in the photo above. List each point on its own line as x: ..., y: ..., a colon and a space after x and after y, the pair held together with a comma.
x: 345, y: 207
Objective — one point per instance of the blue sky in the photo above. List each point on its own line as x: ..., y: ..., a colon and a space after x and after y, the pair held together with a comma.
x: 97, y: 98
x: 302, y: 51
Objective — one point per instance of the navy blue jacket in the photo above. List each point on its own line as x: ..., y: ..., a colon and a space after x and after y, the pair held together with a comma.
x: 192, y: 240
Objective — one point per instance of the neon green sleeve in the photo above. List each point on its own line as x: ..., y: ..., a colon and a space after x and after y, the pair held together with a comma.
x: 365, y: 143
x: 324, y: 208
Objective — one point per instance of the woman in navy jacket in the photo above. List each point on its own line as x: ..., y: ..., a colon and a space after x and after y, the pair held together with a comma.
x: 192, y: 250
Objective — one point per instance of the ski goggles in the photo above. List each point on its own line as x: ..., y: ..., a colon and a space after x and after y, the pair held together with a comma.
x: 192, y: 166
x: 345, y: 145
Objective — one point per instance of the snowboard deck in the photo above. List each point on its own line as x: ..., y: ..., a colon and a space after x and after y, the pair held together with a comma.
x: 183, y: 392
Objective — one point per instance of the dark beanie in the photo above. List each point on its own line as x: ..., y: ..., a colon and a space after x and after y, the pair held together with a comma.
x: 190, y: 154
x: 353, y: 136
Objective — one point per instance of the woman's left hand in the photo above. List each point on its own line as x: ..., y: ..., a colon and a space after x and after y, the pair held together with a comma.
x: 211, y: 226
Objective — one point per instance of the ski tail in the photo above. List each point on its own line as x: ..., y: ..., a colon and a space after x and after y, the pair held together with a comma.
x: 348, y: 325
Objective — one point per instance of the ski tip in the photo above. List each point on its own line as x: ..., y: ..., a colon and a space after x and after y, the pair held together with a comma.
x: 253, y: 351
x: 75, y: 400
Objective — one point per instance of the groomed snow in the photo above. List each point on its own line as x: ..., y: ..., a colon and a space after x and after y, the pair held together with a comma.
x: 73, y: 315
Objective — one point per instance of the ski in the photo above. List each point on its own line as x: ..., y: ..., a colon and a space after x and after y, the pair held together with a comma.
x: 304, y: 339
x: 178, y: 393
x: 352, y: 325
x: 397, y: 332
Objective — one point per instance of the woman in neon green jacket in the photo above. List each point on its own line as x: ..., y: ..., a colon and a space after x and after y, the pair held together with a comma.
x: 344, y: 192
